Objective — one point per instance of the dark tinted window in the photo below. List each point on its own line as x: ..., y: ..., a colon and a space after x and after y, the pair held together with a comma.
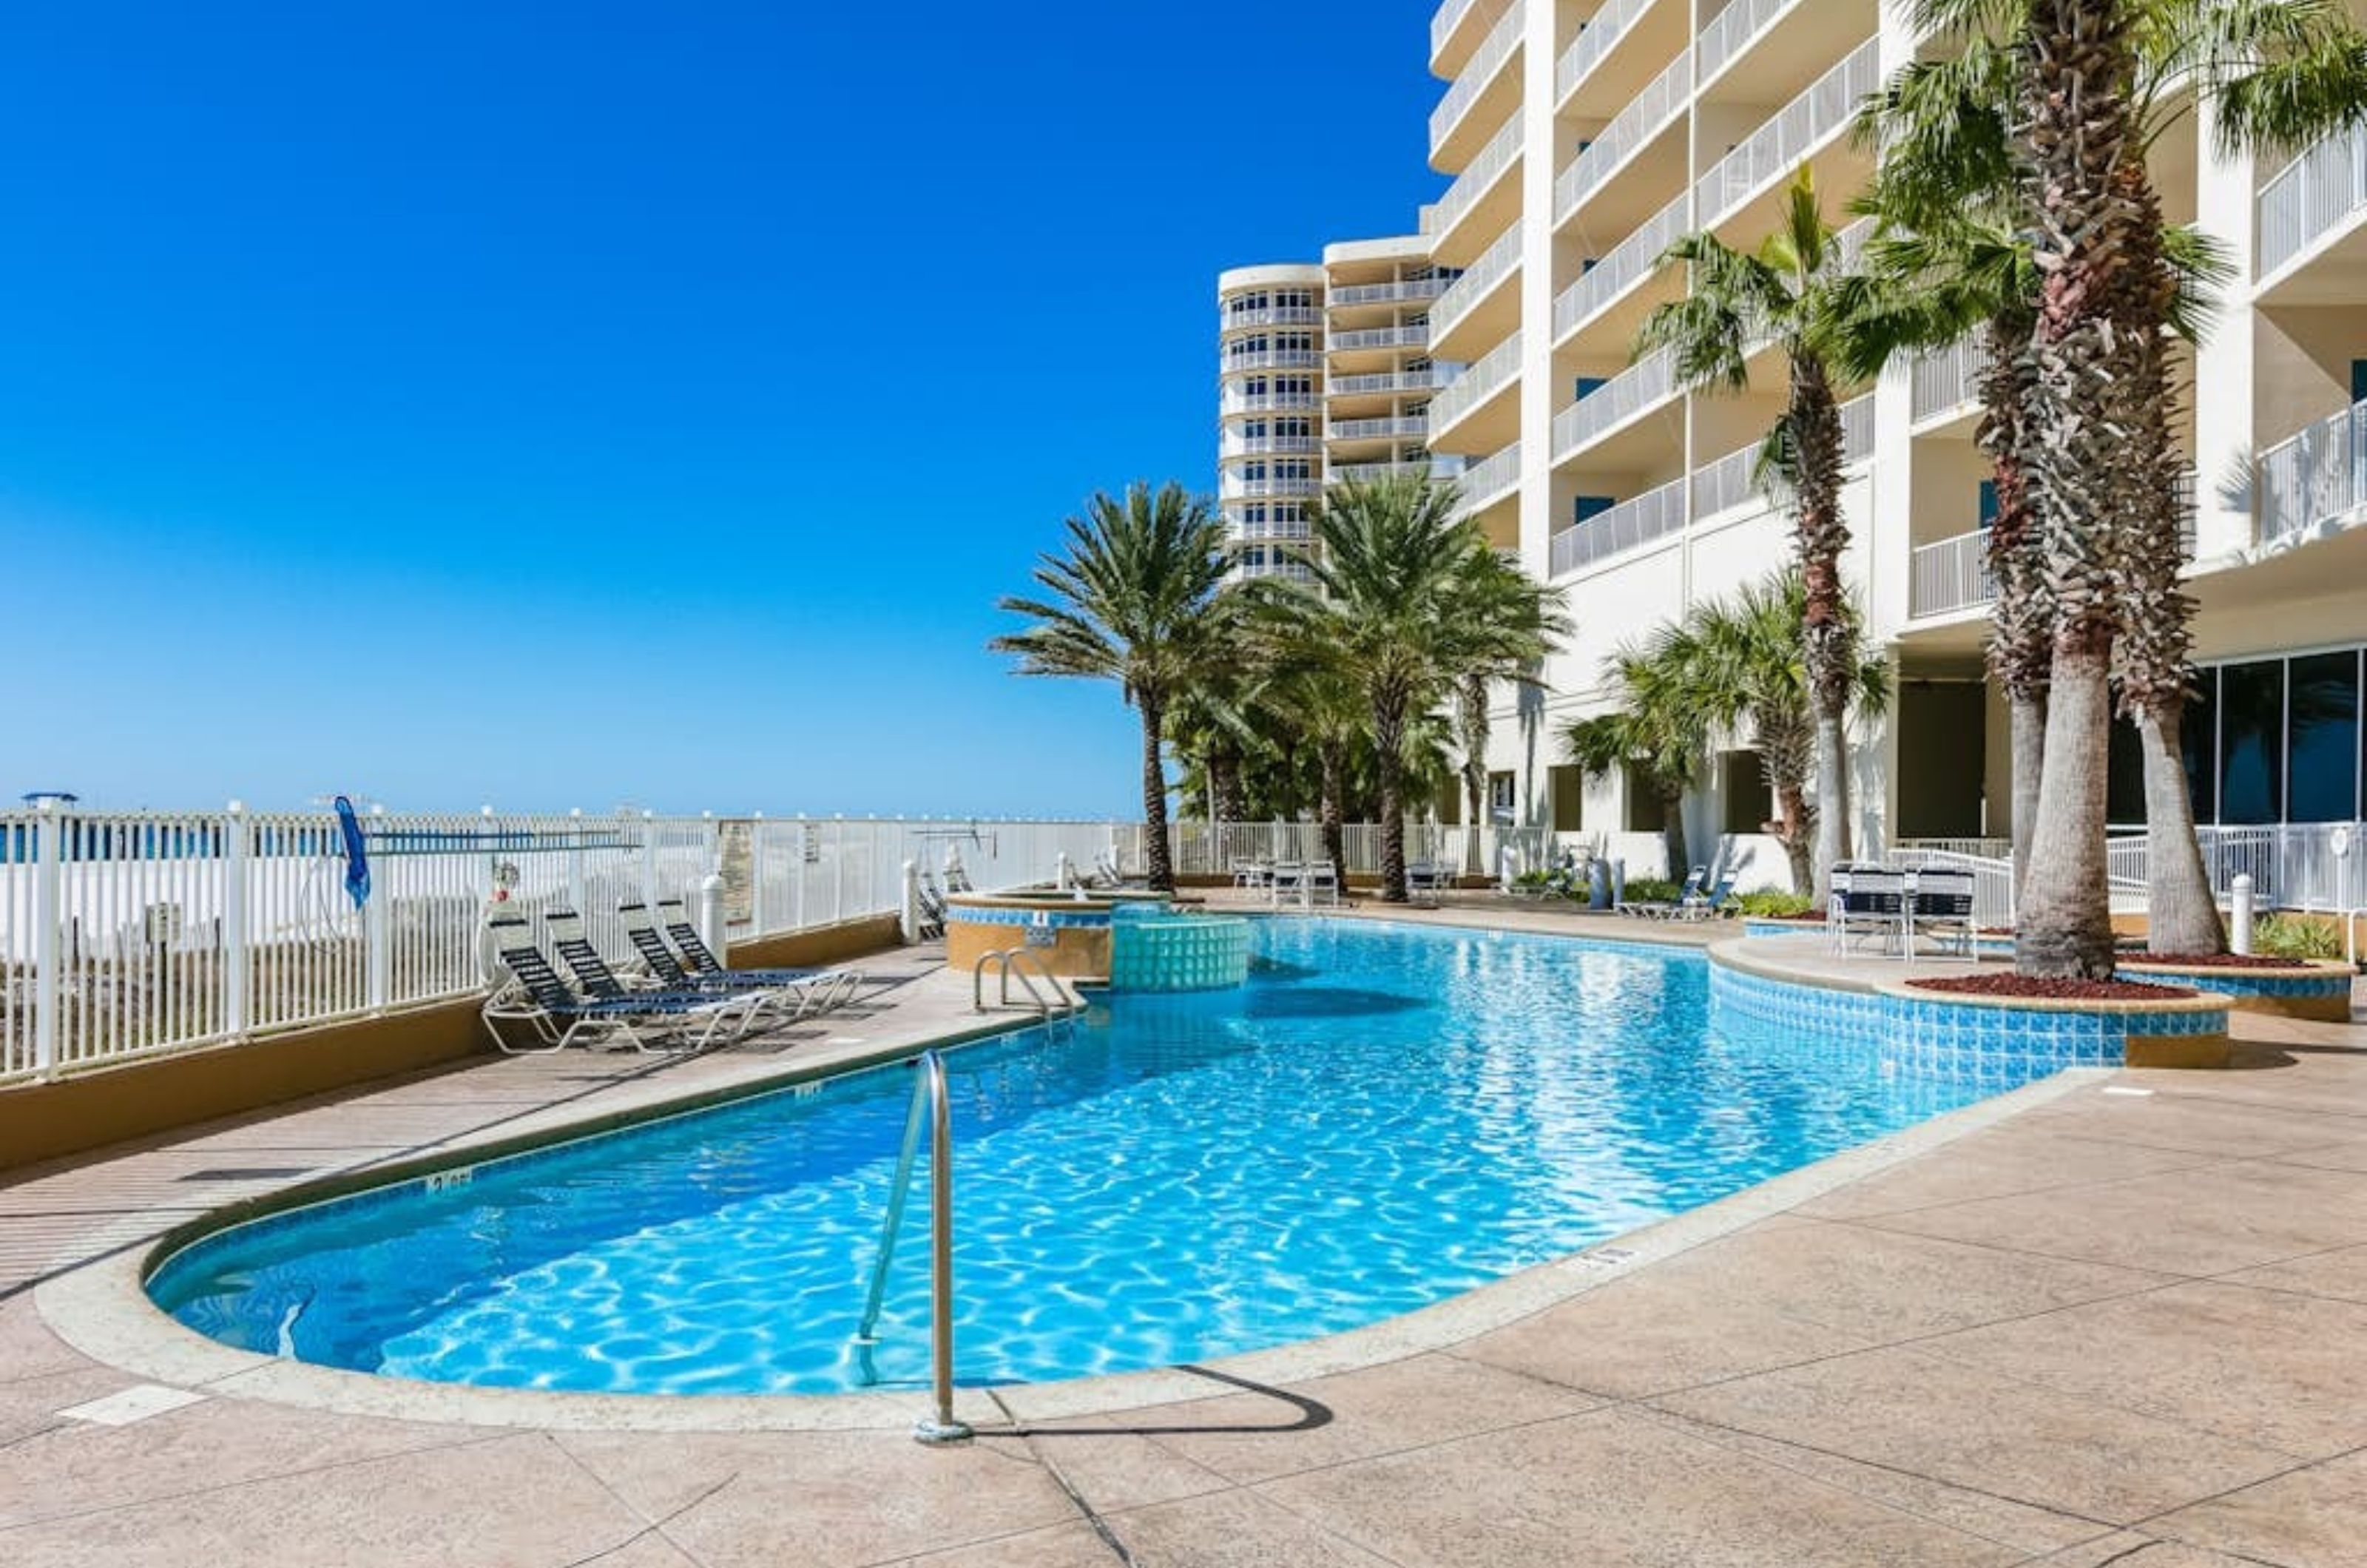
x: 2324, y: 754
x: 2251, y: 741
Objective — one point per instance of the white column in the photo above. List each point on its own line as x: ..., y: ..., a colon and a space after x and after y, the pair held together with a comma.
x: 2228, y: 209
x: 49, y: 915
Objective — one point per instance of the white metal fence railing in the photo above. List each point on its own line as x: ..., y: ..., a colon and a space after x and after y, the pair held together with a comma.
x: 1453, y: 15
x: 2311, y: 196
x: 1487, y: 376
x: 1495, y: 264
x: 1953, y: 574
x: 1484, y: 480
x: 2292, y: 865
x: 1732, y: 480
x: 1946, y: 379
x: 1728, y: 31
x: 1405, y: 288
x: 127, y: 934
x: 1594, y: 40
x: 1648, y: 381
x: 1992, y: 880
x: 1654, y: 515
x: 2314, y: 476
x: 1221, y: 849
x: 1386, y: 381
x: 1642, y: 117
x: 1503, y: 41
x: 1776, y: 147
x: 1622, y: 267
x: 1413, y: 336
x: 1481, y: 172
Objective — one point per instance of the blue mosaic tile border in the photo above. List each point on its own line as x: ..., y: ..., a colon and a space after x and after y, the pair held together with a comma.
x: 1196, y: 954
x: 961, y: 914
x: 2237, y: 983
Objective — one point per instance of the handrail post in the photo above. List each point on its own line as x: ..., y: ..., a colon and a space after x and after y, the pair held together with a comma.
x: 48, y: 917
x: 939, y: 1426
x: 235, y: 972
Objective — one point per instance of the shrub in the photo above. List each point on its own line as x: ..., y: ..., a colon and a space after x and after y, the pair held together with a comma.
x: 1772, y: 904
x: 2295, y: 936
x: 1652, y: 890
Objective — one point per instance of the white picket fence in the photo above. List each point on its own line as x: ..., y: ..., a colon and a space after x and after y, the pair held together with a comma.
x: 129, y: 934
x: 1219, y: 849
x: 2301, y: 865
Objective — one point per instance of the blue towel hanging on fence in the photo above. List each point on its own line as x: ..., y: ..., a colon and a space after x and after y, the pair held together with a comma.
x: 356, y: 853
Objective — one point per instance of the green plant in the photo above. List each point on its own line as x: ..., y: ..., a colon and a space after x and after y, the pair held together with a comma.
x: 2295, y: 936
x: 1651, y: 890
x: 1772, y: 904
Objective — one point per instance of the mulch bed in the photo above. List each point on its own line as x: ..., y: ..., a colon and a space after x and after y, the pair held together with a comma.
x: 2051, y: 990
x: 2212, y: 960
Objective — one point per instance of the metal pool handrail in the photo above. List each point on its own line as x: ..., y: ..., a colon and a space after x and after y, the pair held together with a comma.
x: 930, y: 1102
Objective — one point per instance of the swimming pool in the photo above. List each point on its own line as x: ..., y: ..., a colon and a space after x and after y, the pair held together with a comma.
x: 1385, y: 1116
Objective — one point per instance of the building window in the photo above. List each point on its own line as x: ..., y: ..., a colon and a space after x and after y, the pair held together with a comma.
x: 1646, y: 812
x: 1742, y: 784
x: 2251, y: 741
x: 2322, y: 737
x: 1500, y: 793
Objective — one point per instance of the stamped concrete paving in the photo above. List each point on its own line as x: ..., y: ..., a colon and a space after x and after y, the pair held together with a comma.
x: 2120, y: 1327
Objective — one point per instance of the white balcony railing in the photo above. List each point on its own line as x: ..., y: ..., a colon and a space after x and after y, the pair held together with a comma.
x: 1268, y: 447
x: 1271, y: 316
x: 1414, y: 425
x: 1722, y: 36
x: 1626, y: 265
x: 1489, y: 478
x: 1953, y: 574
x: 1654, y: 515
x: 1626, y: 395
x: 1384, y: 382
x: 1382, y: 337
x: 1450, y: 15
x: 1486, y: 378
x: 1493, y: 266
x: 1503, y: 41
x: 1368, y: 472
x: 1266, y: 490
x: 1269, y: 402
x: 1645, y: 114
x: 1594, y: 40
x: 2314, y: 194
x: 1732, y: 480
x: 2315, y: 476
x: 1776, y: 148
x: 1258, y: 533
x: 1502, y: 151
x: 1943, y: 381
x: 1408, y: 288
x: 1273, y: 359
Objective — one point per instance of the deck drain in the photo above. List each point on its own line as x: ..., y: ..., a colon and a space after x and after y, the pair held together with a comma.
x: 246, y: 1173
x: 134, y: 1404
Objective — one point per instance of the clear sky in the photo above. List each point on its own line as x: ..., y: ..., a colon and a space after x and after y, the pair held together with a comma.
x: 572, y: 405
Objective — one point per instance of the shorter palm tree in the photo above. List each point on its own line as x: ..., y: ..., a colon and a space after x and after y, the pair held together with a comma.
x: 1515, y: 621
x: 1656, y: 734
x: 1135, y: 600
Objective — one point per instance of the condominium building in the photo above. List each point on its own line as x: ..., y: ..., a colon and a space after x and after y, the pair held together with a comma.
x: 1581, y: 139
x: 1324, y: 373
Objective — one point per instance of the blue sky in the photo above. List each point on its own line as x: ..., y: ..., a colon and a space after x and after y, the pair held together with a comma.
x: 568, y: 406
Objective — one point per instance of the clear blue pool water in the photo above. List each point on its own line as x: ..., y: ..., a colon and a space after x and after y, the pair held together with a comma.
x: 1384, y: 1117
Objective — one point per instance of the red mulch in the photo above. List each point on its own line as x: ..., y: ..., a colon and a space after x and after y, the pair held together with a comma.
x: 2211, y: 960
x: 2052, y: 991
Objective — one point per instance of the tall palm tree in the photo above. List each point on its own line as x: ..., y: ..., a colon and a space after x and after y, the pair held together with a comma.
x: 1134, y: 599
x: 1656, y: 733
x: 1794, y: 290
x: 2063, y: 98
x: 1739, y: 661
x: 1516, y: 622
x: 1389, y: 560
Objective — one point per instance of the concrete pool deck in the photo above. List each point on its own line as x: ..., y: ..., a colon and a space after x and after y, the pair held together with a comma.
x: 2123, y: 1322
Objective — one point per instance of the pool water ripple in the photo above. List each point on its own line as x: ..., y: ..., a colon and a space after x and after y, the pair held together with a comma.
x: 1384, y: 1117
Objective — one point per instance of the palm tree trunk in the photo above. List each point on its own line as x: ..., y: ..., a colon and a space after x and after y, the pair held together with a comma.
x: 2026, y: 715
x: 1787, y: 755
x: 1833, y: 802
x: 2183, y: 914
x: 1471, y: 705
x: 1830, y: 633
x: 2064, y: 926
x: 1388, y: 771
x: 1161, y: 868
x: 1672, y: 833
x: 1792, y: 807
x: 1334, y: 760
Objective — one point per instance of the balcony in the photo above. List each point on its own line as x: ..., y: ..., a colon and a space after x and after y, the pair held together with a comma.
x: 1292, y: 570
x: 1410, y: 289
x: 2316, y: 477
x: 1273, y: 316
x: 1952, y: 575
x: 1482, y: 80
x: 1646, y: 115
x: 1946, y: 381
x: 1403, y: 426
x: 1258, y: 533
x: 1383, y: 382
x: 1269, y: 489
x: 2321, y: 191
x: 1367, y: 473
x: 1455, y: 30
x: 1484, y: 484
x: 1267, y: 447
x: 1627, y: 263
x: 1472, y: 189
x: 1380, y: 337
x: 1493, y: 373
x: 1732, y: 480
x: 1655, y: 514
x: 1455, y: 307
x: 1777, y: 149
x: 1269, y: 402
x: 1617, y: 401
x: 1593, y: 41
x: 1273, y: 359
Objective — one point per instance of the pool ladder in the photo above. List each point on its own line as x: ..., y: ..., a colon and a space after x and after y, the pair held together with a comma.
x: 932, y: 1108
x: 1017, y: 960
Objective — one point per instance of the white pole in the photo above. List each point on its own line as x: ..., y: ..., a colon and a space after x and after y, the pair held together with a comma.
x: 48, y: 915
x: 910, y: 920
x: 235, y: 971
x: 710, y: 916
x: 377, y: 948
x: 756, y: 876
x: 2240, y: 931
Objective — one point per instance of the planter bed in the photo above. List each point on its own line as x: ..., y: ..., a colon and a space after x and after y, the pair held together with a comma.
x: 2288, y: 988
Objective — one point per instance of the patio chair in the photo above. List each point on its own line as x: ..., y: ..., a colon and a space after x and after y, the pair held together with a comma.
x: 698, y: 961
x: 1941, y: 907
x: 1867, y: 901
x: 1699, y: 906
x: 558, y: 1017
x: 1428, y: 876
x: 1661, y: 909
x: 1252, y: 873
x: 1321, y: 882
x: 790, y: 993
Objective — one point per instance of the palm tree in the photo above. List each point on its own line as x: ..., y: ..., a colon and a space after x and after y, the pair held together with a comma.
x: 2063, y: 99
x: 1133, y: 600
x: 1389, y: 562
x: 1739, y: 661
x: 1796, y: 290
x: 1656, y: 733
x: 1517, y: 620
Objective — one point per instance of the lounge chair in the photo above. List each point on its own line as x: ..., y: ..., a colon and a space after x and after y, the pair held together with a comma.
x: 794, y: 992
x: 1428, y: 876
x: 699, y: 962
x: 1661, y: 909
x: 1939, y: 904
x: 1868, y: 901
x: 558, y: 1017
x: 1698, y: 906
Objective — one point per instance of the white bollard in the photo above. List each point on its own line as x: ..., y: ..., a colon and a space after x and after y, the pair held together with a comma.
x: 909, y: 919
x: 2239, y: 924
x: 711, y: 926
x: 1064, y: 876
